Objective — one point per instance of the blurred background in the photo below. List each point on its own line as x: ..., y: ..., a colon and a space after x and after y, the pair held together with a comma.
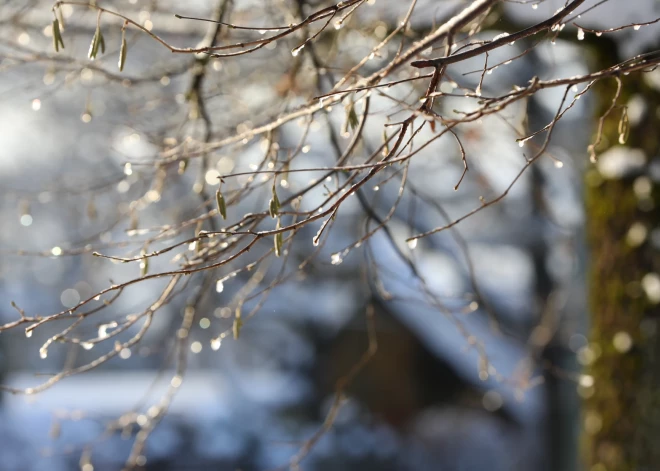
x: 78, y: 141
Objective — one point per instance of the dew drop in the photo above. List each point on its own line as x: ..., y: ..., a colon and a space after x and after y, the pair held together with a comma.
x: 103, y: 329
x: 43, y: 353
x: 412, y: 244
x: 87, y: 345
x: 28, y: 333
x: 219, y: 286
x: 534, y: 6
x: 580, y: 34
x: 297, y: 50
x: 636, y: 27
x: 216, y: 343
x: 336, y: 258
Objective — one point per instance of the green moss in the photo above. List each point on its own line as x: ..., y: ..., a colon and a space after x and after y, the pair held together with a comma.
x: 622, y: 410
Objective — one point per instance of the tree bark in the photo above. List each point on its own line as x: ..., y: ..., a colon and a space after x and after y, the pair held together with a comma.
x: 621, y: 381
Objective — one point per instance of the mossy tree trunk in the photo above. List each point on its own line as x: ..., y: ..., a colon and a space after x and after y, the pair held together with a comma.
x: 621, y: 384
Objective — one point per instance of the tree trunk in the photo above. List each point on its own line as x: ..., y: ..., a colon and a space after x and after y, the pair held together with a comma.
x: 621, y: 384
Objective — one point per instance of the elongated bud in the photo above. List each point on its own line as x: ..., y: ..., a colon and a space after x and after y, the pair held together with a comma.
x: 144, y: 264
x: 122, y: 51
x: 353, y: 120
x: 94, y: 45
x: 238, y: 323
x: 279, y: 240
x: 386, y: 147
x: 57, y: 36
x: 222, y: 205
x: 101, y: 42
x: 624, y: 127
x: 274, y: 204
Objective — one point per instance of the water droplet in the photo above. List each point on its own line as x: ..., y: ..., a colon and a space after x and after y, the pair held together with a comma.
x: 559, y: 164
x: 263, y: 31
x: 43, y: 353
x: 336, y: 258
x: 28, y: 332
x: 103, y: 329
x: 219, y: 286
x: 216, y: 343
x: 580, y: 34
x: 87, y: 345
x: 636, y: 27
x: 534, y: 6
x: 599, y: 34
x: 412, y: 244
x: 297, y: 50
